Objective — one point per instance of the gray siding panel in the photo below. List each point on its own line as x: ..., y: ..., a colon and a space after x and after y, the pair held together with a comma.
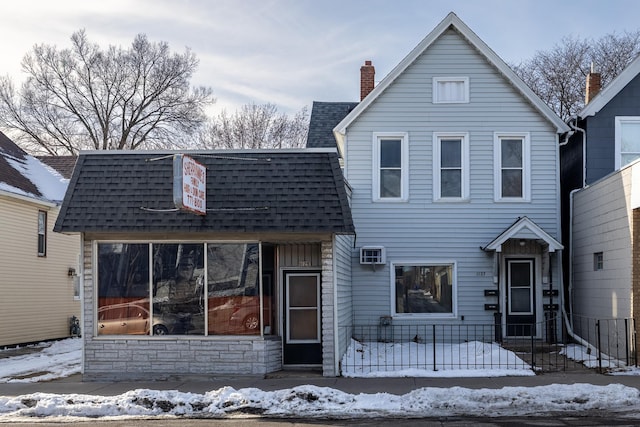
x: 421, y: 230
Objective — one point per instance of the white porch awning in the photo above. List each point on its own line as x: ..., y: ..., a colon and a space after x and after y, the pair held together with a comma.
x: 523, y: 228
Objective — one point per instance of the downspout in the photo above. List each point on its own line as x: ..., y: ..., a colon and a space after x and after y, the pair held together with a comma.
x: 568, y: 317
x: 584, y: 147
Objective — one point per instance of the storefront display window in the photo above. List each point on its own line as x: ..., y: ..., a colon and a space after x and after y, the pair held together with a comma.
x: 175, y: 277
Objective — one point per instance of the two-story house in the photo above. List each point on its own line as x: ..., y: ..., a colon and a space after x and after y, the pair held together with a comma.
x: 38, y: 268
x: 601, y: 197
x: 454, y: 169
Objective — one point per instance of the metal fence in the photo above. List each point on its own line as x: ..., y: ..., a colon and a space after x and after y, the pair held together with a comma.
x: 608, y: 343
x: 400, y: 349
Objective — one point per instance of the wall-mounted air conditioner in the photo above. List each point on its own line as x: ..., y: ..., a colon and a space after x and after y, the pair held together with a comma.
x: 372, y: 255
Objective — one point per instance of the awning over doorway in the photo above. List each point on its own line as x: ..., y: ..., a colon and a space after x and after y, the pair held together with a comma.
x: 523, y: 228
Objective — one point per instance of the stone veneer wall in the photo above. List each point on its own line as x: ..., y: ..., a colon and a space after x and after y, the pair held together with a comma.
x: 156, y: 358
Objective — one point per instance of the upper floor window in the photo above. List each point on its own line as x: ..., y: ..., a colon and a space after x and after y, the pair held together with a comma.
x: 451, y: 166
x: 390, y: 168
x: 42, y: 233
x: 450, y: 90
x: 627, y: 140
x: 512, y: 176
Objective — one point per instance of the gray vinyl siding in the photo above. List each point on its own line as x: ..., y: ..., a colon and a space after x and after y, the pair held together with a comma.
x: 601, y: 223
x: 343, y: 249
x: 423, y: 230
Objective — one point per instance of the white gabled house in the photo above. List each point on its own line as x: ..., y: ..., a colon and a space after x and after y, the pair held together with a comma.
x: 454, y: 170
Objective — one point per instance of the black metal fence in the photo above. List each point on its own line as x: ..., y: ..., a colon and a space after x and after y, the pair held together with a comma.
x: 399, y: 350
x: 605, y: 344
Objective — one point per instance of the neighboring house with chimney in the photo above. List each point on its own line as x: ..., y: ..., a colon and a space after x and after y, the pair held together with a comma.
x: 38, y: 282
x: 454, y: 170
x: 601, y: 200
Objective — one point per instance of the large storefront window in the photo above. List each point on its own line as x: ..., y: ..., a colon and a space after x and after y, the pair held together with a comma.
x: 424, y: 289
x: 176, y: 280
x: 123, y: 289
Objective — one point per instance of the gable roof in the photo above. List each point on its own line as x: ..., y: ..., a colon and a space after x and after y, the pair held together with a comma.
x: 285, y: 191
x: 63, y: 164
x: 612, y: 89
x: 324, y: 117
x: 23, y: 175
x: 523, y: 228
x: 450, y: 21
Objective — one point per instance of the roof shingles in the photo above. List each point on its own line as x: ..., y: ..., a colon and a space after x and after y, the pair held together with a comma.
x: 287, y: 191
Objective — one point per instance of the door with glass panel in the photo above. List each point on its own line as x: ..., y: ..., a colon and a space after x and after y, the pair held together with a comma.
x: 302, y: 339
x: 520, y: 298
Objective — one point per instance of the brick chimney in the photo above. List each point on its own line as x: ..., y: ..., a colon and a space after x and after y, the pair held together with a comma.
x: 367, y: 79
x: 593, y: 85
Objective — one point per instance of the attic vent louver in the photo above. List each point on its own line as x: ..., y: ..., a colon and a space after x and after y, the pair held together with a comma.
x: 372, y: 255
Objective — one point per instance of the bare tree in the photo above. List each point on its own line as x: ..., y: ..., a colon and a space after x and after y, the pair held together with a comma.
x: 256, y: 126
x: 88, y: 98
x: 558, y: 76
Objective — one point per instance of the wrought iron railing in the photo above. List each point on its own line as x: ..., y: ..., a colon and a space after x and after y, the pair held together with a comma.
x: 388, y: 349
x: 605, y: 344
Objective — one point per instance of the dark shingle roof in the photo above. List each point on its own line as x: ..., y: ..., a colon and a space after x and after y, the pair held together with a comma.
x: 324, y: 117
x: 11, y: 154
x: 249, y: 191
x: 63, y: 164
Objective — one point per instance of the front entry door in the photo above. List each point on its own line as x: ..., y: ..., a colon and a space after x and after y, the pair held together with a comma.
x: 520, y: 303
x: 302, y: 343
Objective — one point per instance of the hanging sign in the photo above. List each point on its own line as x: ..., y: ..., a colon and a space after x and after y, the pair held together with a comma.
x: 189, y: 184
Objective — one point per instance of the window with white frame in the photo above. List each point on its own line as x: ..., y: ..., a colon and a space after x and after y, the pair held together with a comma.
x: 427, y: 289
x: 598, y: 261
x: 627, y: 140
x: 450, y: 166
x: 512, y: 176
x: 390, y: 168
x: 450, y: 90
x: 42, y: 233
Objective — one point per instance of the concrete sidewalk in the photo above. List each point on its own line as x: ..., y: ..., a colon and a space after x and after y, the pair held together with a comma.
x: 285, y: 380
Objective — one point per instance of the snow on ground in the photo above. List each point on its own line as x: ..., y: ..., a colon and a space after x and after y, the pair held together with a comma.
x: 56, y: 359
x: 63, y: 358
x: 411, y: 359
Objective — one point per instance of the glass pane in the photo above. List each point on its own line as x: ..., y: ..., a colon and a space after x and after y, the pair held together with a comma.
x: 520, y: 274
x: 451, y: 183
x: 630, y: 138
x: 178, y: 289
x: 303, y: 324
x: 390, y: 153
x: 520, y: 300
x: 390, y: 183
x: 628, y: 158
x: 511, y: 153
x: 512, y: 183
x: 450, y: 153
x: 303, y: 291
x: 123, y: 289
x: 233, y: 289
x: 424, y: 289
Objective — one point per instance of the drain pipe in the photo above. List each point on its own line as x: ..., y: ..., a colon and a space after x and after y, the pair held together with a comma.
x: 568, y: 318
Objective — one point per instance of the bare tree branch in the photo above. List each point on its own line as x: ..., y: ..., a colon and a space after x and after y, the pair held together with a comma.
x: 85, y: 97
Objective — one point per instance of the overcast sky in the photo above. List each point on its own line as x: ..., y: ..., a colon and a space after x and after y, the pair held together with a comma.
x: 292, y: 52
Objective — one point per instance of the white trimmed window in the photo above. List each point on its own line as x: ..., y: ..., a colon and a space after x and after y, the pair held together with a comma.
x: 450, y: 90
x: 390, y: 167
x: 627, y: 140
x: 424, y: 289
x: 42, y: 233
x: 512, y: 175
x: 450, y: 166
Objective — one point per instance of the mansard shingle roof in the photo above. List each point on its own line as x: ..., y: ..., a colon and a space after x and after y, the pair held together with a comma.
x: 298, y: 191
